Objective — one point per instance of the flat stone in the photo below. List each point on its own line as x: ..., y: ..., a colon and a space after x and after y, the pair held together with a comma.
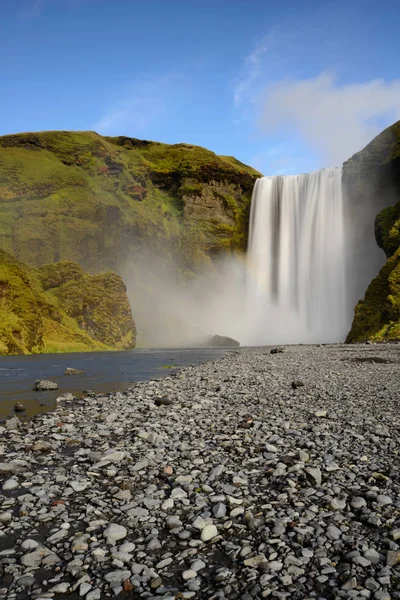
x: 383, y: 500
x: 189, y: 574
x: 114, y: 533
x: 255, y: 562
x: 315, y: 474
x: 208, y: 533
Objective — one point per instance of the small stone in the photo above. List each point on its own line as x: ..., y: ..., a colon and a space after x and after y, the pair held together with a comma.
x: 164, y: 401
x: 271, y: 448
x: 361, y: 560
x: 383, y: 500
x: 208, y: 533
x: 350, y: 584
x: 337, y: 504
x: 199, y: 523
x: 117, y: 576
x: 6, y: 516
x: 395, y: 534
x: 358, y: 502
x: 320, y: 413
x: 13, y: 424
x: 114, y: 533
x: 371, y: 584
x: 19, y: 407
x: 304, y: 456
x: 168, y: 470
x: 393, y: 558
x: 198, y: 565
x: 372, y: 555
x: 256, y: 562
x: 219, y: 510
x: 10, y: 484
x: 333, y: 532
x: 84, y: 588
x: 189, y: 574
x: 60, y: 588
x: 297, y: 383
x: 29, y: 544
x: 315, y: 474
x: 79, y: 486
x: 277, y: 350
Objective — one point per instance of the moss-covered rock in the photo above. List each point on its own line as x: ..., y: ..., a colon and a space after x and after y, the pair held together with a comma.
x: 99, y: 201
x: 35, y: 313
x: 377, y: 317
x: 371, y: 181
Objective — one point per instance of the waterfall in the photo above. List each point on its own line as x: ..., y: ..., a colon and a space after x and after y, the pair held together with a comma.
x: 297, y: 282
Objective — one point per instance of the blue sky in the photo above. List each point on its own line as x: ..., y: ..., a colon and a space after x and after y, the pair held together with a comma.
x: 286, y: 86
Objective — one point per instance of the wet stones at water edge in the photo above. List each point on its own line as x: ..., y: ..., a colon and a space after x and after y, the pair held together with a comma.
x: 44, y: 385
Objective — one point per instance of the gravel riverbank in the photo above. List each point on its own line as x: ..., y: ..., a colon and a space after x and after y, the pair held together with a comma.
x: 259, y: 475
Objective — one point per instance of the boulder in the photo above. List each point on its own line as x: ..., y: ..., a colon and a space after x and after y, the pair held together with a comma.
x: 72, y: 371
x: 44, y: 385
x: 223, y: 341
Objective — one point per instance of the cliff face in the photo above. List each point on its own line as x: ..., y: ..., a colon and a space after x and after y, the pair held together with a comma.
x: 100, y: 201
x: 372, y: 182
x: 60, y: 308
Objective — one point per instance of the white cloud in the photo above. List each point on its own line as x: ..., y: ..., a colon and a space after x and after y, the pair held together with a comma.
x: 244, y: 89
x: 335, y: 120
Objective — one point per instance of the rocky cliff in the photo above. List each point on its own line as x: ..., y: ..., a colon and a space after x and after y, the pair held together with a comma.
x: 100, y: 201
x: 372, y: 181
x: 59, y: 308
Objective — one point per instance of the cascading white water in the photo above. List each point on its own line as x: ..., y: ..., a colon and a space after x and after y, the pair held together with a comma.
x: 296, y: 259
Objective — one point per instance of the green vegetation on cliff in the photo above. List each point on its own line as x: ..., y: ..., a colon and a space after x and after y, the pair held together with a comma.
x: 372, y: 176
x: 61, y: 309
x: 377, y: 317
x: 99, y: 201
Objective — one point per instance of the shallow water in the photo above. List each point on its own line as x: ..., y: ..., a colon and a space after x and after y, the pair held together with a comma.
x: 104, y: 372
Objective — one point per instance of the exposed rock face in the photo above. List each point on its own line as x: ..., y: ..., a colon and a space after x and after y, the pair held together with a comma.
x: 98, y: 303
x: 371, y: 180
x: 36, y: 313
x: 99, y: 200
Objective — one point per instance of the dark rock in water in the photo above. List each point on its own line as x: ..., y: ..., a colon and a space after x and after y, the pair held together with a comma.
x: 222, y: 340
x: 19, y: 407
x: 71, y: 371
x: 44, y: 385
x: 277, y: 350
x: 297, y: 383
x: 164, y: 401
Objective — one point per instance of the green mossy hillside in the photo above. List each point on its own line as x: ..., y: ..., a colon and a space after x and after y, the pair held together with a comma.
x: 377, y: 317
x: 387, y: 229
x: 34, y: 315
x: 100, y: 201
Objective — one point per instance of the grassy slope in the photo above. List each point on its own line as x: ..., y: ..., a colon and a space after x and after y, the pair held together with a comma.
x: 374, y: 173
x: 97, y: 201
x: 35, y: 320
